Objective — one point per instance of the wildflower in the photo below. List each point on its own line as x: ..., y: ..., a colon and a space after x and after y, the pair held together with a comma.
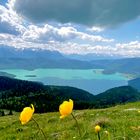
x: 97, y: 128
x: 66, y: 108
x: 26, y: 114
x: 139, y: 111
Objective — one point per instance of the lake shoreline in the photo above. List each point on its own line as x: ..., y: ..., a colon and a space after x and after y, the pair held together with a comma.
x: 91, y: 80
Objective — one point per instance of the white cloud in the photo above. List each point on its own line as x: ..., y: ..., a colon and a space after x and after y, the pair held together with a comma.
x: 95, y: 29
x: 10, y: 22
x: 130, y: 49
x: 62, y: 34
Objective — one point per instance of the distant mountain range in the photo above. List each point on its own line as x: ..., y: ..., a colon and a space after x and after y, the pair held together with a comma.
x: 127, y: 65
x: 16, y: 94
x: 32, y: 59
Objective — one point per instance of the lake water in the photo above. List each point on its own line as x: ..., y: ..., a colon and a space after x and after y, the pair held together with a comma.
x: 92, y: 80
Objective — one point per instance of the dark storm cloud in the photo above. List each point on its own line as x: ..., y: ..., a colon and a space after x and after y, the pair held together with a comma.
x: 87, y: 12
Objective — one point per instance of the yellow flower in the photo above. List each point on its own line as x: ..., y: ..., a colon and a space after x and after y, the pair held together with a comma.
x: 138, y: 111
x: 97, y: 128
x: 66, y: 108
x: 26, y: 114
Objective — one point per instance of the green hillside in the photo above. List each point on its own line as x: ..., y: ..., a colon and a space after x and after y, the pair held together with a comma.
x: 117, y: 95
x: 135, y: 83
x: 122, y: 122
x: 16, y: 94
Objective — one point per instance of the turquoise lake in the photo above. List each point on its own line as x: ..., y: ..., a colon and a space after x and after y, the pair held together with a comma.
x: 92, y: 80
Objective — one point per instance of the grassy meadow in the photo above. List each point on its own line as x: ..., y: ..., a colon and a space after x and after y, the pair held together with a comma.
x: 122, y: 122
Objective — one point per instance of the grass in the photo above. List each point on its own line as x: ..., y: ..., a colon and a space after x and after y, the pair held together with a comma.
x: 122, y: 121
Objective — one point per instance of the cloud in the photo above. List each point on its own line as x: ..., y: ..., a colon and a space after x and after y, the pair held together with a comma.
x: 130, y: 49
x: 18, y: 42
x: 62, y: 34
x: 104, y: 13
x: 95, y: 29
x: 10, y: 22
x: 66, y: 38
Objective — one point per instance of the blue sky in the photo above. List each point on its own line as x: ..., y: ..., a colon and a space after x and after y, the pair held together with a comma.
x: 3, y: 2
x: 100, y: 27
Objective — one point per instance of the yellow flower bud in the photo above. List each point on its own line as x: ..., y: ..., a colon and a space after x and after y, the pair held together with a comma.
x: 26, y: 114
x: 66, y: 108
x: 97, y: 128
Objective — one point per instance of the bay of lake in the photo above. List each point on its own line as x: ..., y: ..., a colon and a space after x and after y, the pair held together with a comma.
x: 91, y: 80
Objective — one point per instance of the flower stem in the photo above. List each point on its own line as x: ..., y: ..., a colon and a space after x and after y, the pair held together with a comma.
x: 39, y: 128
x: 77, y: 125
x: 98, y: 136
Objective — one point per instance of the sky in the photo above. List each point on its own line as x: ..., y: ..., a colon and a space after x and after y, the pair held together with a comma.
x: 101, y: 27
